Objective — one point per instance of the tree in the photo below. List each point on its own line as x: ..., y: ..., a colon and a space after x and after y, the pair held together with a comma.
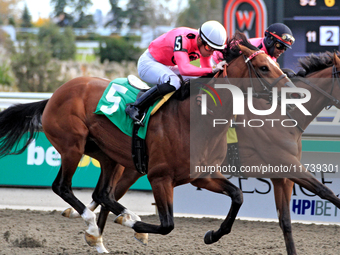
x: 162, y: 13
x: 11, y: 21
x: 62, y: 43
x: 64, y: 19
x: 84, y: 21
x: 198, y: 12
x: 26, y: 18
x: 9, y: 8
x: 136, y: 13
x: 80, y: 8
x: 34, y: 68
x: 118, y: 15
x: 59, y: 6
x: 119, y: 49
x: 6, y: 74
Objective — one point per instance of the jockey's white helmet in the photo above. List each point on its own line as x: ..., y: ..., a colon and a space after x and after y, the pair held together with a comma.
x: 213, y: 33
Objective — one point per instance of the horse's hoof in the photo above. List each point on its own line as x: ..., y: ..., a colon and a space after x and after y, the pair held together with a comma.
x: 66, y: 213
x: 119, y: 219
x: 142, y: 237
x: 127, y: 219
x: 208, y: 237
x: 70, y: 213
x: 90, y: 239
x: 96, y: 242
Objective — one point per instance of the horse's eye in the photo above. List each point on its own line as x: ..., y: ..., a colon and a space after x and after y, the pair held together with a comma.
x: 264, y: 69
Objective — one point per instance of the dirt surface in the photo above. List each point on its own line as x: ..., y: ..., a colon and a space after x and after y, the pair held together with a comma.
x: 41, y: 232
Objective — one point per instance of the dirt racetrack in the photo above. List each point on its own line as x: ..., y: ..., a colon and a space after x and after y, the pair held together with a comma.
x: 47, y: 232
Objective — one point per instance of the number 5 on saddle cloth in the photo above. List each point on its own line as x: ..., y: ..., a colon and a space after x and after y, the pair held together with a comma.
x: 120, y: 92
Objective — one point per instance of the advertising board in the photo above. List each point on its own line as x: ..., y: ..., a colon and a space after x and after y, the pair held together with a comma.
x: 39, y: 164
x: 258, y: 193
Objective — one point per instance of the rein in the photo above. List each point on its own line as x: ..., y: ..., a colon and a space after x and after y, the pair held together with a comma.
x: 335, y: 76
x: 268, y: 85
x: 265, y: 85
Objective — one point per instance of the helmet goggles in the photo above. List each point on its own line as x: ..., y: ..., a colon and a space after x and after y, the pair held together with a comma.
x: 285, y: 39
x: 207, y: 47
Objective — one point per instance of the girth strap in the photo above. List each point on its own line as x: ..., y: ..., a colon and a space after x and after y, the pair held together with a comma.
x: 139, y: 153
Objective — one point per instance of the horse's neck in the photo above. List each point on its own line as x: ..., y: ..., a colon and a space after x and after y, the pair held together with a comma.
x: 218, y: 104
x: 190, y: 111
x: 317, y: 101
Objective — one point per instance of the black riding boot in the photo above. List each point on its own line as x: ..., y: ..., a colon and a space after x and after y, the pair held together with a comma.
x: 136, y: 109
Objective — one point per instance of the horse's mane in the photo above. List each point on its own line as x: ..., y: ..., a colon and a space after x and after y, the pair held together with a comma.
x: 232, y: 50
x: 314, y: 63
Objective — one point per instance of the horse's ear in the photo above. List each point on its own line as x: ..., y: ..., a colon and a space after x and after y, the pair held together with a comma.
x: 246, y: 51
x: 336, y: 60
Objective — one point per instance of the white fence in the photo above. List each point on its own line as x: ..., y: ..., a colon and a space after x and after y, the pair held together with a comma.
x: 327, y: 123
x: 9, y: 98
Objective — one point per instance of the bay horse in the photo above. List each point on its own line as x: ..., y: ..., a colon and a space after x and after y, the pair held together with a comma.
x: 279, y: 145
x: 282, y: 145
x: 71, y: 126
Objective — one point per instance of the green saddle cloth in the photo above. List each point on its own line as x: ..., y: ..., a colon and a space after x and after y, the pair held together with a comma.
x: 113, y: 102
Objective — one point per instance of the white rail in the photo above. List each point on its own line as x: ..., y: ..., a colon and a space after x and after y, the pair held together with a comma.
x: 329, y: 117
x: 10, y: 98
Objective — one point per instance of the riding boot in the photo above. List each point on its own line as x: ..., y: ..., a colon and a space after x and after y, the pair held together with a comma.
x: 136, y: 109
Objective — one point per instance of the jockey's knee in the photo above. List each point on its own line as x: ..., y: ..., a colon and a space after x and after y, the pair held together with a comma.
x: 175, y: 81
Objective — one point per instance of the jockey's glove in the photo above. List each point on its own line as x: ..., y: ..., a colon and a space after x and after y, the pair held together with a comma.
x: 219, y: 66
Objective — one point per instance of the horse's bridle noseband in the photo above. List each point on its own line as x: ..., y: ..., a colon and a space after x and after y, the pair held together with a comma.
x: 264, y: 83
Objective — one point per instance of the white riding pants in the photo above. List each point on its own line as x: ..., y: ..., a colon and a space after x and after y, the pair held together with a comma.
x: 151, y: 71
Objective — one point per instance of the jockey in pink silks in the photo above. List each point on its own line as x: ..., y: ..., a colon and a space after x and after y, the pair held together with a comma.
x: 278, y: 37
x: 170, y: 55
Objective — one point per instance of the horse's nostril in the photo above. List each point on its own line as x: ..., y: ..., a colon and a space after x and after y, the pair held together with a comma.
x: 295, y: 95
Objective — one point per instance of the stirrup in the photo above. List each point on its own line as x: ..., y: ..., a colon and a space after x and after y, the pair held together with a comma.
x: 140, y: 122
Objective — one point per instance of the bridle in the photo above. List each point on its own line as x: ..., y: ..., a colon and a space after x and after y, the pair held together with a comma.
x: 264, y: 83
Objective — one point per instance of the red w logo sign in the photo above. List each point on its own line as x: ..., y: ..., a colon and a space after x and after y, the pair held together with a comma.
x: 245, y: 19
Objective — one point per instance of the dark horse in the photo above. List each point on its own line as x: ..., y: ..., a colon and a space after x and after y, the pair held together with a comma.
x: 71, y: 126
x: 283, y: 145
x: 279, y: 145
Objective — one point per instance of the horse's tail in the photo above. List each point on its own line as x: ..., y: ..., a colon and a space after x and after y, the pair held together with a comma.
x: 17, y: 122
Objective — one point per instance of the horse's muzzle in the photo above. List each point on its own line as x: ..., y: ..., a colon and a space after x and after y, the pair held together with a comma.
x: 293, y: 95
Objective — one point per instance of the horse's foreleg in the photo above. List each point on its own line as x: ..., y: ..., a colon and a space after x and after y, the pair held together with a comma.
x: 223, y: 186
x: 129, y: 177
x: 309, y: 182
x: 283, y: 191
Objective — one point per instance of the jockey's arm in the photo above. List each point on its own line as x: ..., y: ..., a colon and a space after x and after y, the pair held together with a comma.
x: 187, y: 69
